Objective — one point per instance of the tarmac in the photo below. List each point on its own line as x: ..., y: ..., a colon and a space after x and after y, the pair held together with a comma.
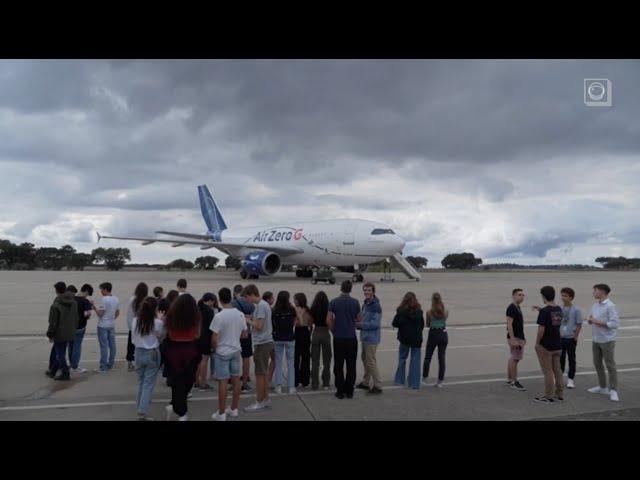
x: 474, y: 387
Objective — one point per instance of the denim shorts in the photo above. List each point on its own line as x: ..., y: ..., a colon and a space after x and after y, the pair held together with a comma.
x: 227, y: 366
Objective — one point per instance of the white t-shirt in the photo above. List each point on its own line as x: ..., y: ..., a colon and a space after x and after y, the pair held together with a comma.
x: 229, y: 325
x: 152, y: 339
x: 110, y: 305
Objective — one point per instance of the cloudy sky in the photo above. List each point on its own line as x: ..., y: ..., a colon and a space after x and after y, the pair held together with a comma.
x: 501, y: 158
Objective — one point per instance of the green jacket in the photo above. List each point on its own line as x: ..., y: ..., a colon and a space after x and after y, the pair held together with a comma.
x: 63, y: 318
x: 410, y: 326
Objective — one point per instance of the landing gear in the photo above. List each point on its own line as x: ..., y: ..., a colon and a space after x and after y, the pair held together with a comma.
x: 304, y: 273
x: 246, y: 275
x: 357, y: 278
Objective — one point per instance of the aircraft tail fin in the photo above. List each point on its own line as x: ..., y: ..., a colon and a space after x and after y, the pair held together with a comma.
x: 210, y: 213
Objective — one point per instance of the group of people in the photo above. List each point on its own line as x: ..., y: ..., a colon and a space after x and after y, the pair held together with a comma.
x: 556, y: 341
x: 217, y: 336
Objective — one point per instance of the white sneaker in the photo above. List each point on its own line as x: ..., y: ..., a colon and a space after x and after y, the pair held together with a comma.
x: 570, y: 384
x: 279, y: 390
x: 613, y: 396
x: 78, y: 370
x: 189, y: 395
x: 438, y: 385
x: 424, y: 382
x: 267, y: 403
x: 230, y: 412
x: 219, y: 417
x: 169, y: 411
x: 292, y: 391
x: 255, y: 407
x: 604, y: 391
x: 184, y: 418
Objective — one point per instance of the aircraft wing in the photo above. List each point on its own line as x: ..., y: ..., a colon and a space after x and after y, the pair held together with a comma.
x: 186, y: 235
x: 209, y: 244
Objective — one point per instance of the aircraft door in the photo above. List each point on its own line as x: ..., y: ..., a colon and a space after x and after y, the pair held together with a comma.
x: 348, y: 241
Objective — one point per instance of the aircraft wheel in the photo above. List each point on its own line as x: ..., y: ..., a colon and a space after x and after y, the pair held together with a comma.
x: 298, y: 273
x: 360, y: 278
x: 243, y: 274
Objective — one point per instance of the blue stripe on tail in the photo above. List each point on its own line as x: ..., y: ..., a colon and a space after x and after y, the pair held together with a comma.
x: 210, y: 213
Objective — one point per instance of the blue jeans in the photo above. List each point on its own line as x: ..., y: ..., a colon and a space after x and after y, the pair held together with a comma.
x: 107, y: 341
x: 75, y: 348
x: 228, y: 366
x: 414, y: 366
x: 147, y: 367
x: 290, y: 352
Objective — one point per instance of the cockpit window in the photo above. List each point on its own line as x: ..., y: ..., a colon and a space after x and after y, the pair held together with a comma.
x: 382, y: 231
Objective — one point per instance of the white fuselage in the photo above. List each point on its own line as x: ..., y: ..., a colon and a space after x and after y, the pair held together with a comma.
x: 334, y: 243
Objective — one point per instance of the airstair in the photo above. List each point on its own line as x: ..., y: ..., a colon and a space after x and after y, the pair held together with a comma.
x: 406, y: 267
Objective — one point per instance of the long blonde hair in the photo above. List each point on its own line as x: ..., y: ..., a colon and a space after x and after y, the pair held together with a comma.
x: 437, y: 307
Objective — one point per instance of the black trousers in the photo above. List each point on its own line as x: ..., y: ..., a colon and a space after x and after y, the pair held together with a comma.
x: 181, y: 384
x: 438, y: 338
x: 302, y: 356
x: 131, y: 348
x: 345, y: 350
x: 568, y: 349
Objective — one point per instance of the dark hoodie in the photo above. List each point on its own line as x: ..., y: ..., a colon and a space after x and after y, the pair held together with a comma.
x: 410, y: 326
x: 63, y: 318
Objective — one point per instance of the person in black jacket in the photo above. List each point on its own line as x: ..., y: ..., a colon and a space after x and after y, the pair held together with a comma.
x: 409, y: 320
x: 63, y: 322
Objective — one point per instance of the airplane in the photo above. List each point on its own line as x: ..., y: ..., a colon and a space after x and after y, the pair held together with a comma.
x: 349, y: 245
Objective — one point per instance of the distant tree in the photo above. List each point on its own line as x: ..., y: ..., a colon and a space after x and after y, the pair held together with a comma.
x: 113, y: 258
x: 80, y: 260
x: 180, y: 264
x: 51, y: 258
x: 232, y: 262
x: 619, y: 262
x: 462, y: 261
x: 206, y: 263
x: 12, y: 254
x: 417, y: 262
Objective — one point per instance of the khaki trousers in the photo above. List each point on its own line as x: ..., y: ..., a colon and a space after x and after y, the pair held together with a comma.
x: 550, y: 364
x: 370, y: 366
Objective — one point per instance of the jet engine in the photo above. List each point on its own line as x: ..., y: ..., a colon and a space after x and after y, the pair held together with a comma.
x: 259, y: 263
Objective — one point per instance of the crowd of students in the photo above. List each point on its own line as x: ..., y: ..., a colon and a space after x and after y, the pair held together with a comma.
x: 217, y: 336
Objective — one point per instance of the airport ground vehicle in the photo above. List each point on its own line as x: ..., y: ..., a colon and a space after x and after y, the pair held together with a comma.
x: 323, y: 275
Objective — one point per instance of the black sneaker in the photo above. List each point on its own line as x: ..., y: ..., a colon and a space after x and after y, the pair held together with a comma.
x: 518, y: 386
x: 50, y: 374
x: 544, y: 400
x: 362, y: 386
x: 559, y: 399
x: 339, y: 395
x: 375, y: 391
x: 349, y: 395
x: 62, y: 377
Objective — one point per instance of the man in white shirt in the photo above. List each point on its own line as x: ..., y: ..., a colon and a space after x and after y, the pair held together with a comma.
x: 107, y: 314
x: 604, y: 321
x: 228, y: 326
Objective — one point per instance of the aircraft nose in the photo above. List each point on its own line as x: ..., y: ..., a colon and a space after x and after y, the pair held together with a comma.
x: 400, y: 242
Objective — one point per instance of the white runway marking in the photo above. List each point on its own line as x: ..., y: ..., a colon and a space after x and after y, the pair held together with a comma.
x: 250, y: 395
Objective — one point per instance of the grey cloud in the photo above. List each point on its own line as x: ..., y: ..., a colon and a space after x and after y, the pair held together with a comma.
x: 273, y: 135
